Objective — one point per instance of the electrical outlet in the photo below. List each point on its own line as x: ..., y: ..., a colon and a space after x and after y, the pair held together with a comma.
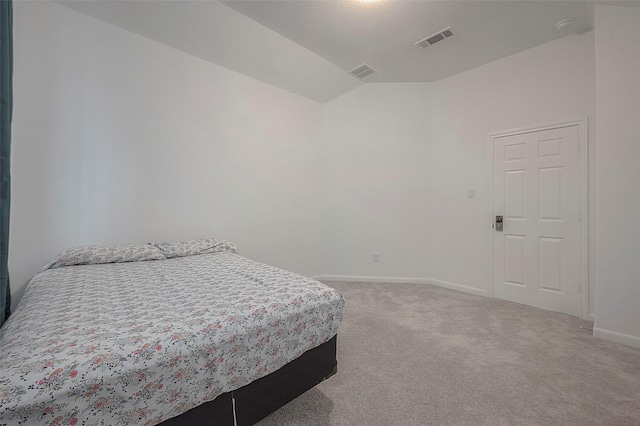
x: 376, y: 257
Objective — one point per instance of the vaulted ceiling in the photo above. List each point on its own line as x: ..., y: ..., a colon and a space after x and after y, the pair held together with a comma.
x: 382, y: 33
x: 308, y: 46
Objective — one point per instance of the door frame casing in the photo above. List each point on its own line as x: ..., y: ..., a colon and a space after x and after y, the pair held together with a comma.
x: 583, y: 170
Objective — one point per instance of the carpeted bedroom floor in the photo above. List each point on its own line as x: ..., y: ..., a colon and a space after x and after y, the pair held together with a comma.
x: 412, y: 354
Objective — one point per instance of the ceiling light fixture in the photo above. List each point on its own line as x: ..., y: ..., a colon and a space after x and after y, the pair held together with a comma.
x: 369, y: 3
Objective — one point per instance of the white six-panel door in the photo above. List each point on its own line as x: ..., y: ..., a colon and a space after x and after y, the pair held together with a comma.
x: 536, y: 188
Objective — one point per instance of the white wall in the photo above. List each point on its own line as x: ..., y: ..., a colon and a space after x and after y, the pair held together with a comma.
x: 617, y: 44
x: 399, y: 159
x: 544, y: 85
x: 376, y: 181
x: 118, y: 139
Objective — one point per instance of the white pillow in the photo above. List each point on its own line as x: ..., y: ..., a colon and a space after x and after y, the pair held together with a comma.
x: 195, y: 247
x: 90, y: 255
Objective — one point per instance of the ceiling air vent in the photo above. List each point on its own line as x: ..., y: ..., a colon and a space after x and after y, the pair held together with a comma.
x: 362, y: 71
x: 434, y: 38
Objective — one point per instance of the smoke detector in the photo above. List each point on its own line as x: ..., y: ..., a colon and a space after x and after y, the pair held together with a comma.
x: 434, y: 38
x: 564, y: 24
x: 361, y: 71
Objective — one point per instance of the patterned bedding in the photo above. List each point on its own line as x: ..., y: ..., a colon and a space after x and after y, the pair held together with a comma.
x: 139, y: 342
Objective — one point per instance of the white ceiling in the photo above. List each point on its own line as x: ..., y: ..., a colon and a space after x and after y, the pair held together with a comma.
x: 219, y: 34
x: 307, y: 46
x: 382, y: 33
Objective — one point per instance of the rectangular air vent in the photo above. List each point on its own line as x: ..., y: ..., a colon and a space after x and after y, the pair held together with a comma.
x: 434, y: 38
x: 362, y: 71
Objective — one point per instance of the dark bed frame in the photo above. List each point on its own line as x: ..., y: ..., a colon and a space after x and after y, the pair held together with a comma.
x: 262, y: 397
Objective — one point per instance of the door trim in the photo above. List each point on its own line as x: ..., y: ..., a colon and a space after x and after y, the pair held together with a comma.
x: 583, y: 169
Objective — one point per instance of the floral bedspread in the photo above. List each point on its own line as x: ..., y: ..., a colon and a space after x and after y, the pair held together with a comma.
x: 137, y: 343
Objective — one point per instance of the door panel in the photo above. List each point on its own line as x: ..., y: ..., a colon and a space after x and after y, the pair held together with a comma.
x: 514, y: 194
x: 514, y: 259
x: 536, y: 187
x: 550, y: 193
x: 550, y: 263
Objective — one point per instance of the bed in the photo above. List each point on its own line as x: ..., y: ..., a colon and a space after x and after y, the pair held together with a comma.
x: 172, y: 333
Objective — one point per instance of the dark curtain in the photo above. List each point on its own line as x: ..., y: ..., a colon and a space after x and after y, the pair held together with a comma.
x: 6, y: 107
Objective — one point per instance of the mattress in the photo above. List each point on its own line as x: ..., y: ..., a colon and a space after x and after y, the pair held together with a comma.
x: 136, y: 343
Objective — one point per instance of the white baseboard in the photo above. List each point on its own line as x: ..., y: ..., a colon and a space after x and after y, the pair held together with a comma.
x: 614, y: 336
x: 403, y: 280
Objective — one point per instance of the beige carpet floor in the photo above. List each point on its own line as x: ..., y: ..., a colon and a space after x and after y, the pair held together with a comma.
x: 424, y: 355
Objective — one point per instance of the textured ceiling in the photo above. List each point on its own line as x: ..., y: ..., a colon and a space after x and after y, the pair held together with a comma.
x: 382, y: 33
